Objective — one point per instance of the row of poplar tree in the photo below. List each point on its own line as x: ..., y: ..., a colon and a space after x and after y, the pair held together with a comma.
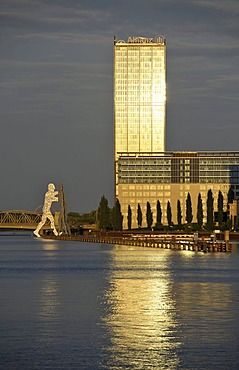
x: 112, y: 219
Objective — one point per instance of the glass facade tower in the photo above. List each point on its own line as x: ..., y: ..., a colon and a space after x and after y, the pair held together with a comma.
x: 139, y: 96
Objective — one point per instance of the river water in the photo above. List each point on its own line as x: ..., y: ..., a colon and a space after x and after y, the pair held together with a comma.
x: 68, y: 305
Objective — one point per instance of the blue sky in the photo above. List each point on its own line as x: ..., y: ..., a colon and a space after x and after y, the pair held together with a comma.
x: 56, y: 88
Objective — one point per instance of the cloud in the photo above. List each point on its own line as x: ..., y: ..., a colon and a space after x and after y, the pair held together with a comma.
x: 43, y: 86
x: 54, y: 16
x: 229, y: 6
x: 66, y: 37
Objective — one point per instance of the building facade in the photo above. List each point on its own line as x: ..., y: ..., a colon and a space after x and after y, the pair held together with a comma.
x: 170, y: 176
x: 144, y: 171
x: 139, y: 96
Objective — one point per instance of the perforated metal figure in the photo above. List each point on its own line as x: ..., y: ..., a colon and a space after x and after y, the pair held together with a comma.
x: 50, y: 197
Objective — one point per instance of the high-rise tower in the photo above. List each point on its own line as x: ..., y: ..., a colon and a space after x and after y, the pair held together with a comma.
x: 144, y: 171
x: 139, y: 96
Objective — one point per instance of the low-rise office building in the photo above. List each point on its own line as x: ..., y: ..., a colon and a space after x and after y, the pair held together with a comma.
x: 170, y: 176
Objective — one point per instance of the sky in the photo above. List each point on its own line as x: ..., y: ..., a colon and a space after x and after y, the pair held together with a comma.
x: 56, y: 89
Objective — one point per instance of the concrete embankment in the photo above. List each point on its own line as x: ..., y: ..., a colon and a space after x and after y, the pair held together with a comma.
x: 162, y: 241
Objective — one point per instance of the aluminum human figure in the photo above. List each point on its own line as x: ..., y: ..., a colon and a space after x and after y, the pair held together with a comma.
x: 50, y: 197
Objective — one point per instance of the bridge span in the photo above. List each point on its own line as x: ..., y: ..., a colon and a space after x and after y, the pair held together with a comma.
x: 21, y: 219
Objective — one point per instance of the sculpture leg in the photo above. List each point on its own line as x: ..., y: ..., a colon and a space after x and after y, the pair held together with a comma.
x: 39, y: 226
x: 51, y: 218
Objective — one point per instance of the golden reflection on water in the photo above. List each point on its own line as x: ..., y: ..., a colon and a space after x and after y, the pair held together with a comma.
x: 49, y: 299
x: 49, y: 289
x: 50, y: 245
x: 141, y: 318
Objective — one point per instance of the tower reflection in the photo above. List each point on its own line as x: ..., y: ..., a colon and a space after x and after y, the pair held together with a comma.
x: 49, y: 300
x: 141, y: 318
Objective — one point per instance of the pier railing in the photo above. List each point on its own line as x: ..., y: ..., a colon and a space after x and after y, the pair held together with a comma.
x: 153, y: 241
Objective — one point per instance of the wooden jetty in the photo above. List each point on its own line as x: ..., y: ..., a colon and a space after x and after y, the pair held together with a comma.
x: 175, y: 242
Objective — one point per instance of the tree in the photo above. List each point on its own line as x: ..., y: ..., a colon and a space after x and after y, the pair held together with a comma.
x: 220, y: 208
x: 179, y: 214
x: 75, y: 219
x: 129, y: 217
x: 189, y: 214
x: 199, y: 212
x: 230, y: 195
x: 139, y: 216
x: 117, y: 216
x: 230, y: 199
x: 159, y: 214
x: 210, y: 200
x: 149, y: 216
x: 169, y: 214
x: 103, y: 215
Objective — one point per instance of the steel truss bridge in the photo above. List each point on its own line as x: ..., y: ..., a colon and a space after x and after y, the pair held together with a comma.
x: 21, y: 219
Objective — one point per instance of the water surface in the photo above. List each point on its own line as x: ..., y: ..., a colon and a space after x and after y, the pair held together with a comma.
x: 70, y: 305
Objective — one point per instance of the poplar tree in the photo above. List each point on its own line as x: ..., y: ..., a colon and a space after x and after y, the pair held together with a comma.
x: 220, y: 208
x: 230, y: 195
x: 149, y: 216
x: 199, y: 212
x: 139, y: 216
x: 103, y: 215
x: 179, y: 214
x: 129, y: 217
x: 210, y: 200
x: 169, y: 214
x: 230, y: 198
x: 189, y: 214
x: 117, y: 216
x: 159, y: 214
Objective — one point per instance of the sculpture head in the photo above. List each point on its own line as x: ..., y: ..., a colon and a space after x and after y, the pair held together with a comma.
x: 51, y: 187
